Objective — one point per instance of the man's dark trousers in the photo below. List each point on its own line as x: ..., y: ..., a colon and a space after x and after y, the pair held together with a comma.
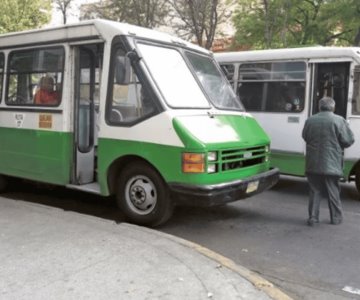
x: 324, y: 186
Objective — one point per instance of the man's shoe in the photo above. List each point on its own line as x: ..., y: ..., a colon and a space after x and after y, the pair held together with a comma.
x: 311, y: 222
x: 336, y: 222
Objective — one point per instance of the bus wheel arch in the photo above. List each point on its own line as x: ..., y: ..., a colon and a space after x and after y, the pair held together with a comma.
x: 143, y: 195
x: 141, y: 192
x: 355, y: 171
x: 115, y: 169
x: 3, y: 183
x: 357, y: 176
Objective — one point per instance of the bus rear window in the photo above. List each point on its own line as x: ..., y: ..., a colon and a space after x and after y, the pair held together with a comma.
x: 35, y: 77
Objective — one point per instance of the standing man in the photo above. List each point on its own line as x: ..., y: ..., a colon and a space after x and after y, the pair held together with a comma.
x: 326, y: 135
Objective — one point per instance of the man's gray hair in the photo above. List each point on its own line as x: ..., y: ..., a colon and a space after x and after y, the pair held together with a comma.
x: 327, y: 104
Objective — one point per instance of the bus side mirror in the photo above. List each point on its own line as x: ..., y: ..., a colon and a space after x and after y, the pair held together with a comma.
x: 122, y: 70
x: 133, y: 55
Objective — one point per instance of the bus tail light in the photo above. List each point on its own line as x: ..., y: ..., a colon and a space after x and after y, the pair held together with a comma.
x: 193, y: 162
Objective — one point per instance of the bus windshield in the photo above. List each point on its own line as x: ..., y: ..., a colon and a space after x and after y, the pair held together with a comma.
x: 173, y: 77
x: 176, y: 81
x: 213, y: 82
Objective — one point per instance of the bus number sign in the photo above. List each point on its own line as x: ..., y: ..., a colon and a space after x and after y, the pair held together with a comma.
x: 45, y: 121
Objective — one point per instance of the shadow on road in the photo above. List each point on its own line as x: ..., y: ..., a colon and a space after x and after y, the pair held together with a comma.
x: 105, y: 207
x: 298, y: 186
x: 66, y: 199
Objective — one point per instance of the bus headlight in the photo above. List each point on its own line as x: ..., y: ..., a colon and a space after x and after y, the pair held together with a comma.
x: 193, y: 162
x: 267, y: 148
x: 212, y: 156
x: 211, y: 168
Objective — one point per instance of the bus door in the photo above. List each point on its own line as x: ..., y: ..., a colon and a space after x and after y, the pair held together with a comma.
x: 352, y: 153
x: 88, y: 59
x: 332, y: 80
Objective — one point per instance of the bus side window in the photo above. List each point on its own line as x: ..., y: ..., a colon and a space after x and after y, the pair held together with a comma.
x: 250, y: 94
x: 229, y: 70
x: 129, y: 100
x: 272, y: 87
x: 35, y: 77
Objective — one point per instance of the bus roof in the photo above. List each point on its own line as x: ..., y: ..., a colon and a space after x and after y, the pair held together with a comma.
x: 87, y: 30
x: 289, y: 54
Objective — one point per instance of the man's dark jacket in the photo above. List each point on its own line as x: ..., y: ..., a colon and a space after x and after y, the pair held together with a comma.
x: 326, y: 135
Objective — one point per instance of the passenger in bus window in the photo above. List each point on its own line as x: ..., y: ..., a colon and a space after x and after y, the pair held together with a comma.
x: 289, y: 100
x: 46, y: 95
x: 326, y: 135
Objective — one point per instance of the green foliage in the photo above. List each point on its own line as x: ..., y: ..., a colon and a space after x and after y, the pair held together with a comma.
x: 294, y: 23
x: 345, y: 15
x: 17, y: 15
x: 145, y: 13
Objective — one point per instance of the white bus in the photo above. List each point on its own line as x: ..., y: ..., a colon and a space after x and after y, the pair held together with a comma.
x: 281, y: 88
x: 115, y: 109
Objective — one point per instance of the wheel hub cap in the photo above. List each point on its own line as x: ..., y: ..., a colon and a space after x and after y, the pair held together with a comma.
x: 141, y: 194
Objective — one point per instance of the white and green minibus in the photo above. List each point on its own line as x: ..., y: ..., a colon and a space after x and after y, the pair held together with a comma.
x: 115, y: 109
x: 282, y: 87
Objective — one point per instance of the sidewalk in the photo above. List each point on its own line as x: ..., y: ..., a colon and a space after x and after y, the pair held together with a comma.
x: 48, y: 253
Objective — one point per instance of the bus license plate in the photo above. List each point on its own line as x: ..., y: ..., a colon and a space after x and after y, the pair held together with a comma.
x: 252, y: 186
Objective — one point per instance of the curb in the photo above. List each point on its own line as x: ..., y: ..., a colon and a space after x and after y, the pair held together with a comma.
x: 256, y: 280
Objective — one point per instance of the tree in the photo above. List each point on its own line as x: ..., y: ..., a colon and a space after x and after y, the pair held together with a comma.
x: 302, y: 22
x: 347, y: 26
x: 198, y: 18
x: 145, y: 13
x: 258, y: 24
x: 17, y: 15
x: 64, y: 6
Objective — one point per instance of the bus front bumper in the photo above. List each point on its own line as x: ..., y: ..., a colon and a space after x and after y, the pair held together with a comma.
x: 217, y: 194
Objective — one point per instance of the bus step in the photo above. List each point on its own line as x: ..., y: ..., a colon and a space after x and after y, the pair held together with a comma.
x: 93, y: 187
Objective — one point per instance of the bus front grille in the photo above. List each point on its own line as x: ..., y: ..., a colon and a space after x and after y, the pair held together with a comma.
x: 241, y: 158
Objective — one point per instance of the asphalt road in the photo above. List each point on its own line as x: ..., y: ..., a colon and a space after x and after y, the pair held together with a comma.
x: 266, y: 234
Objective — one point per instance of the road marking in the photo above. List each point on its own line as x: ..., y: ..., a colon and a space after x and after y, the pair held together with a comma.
x: 351, y: 290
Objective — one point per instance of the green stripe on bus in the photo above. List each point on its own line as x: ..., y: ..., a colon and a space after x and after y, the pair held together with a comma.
x: 36, y: 154
x: 294, y: 164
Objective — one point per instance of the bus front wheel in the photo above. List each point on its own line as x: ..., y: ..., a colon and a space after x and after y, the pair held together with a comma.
x: 3, y: 183
x: 143, y: 195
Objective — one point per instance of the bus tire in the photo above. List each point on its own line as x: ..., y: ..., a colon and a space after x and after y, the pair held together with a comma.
x: 143, y: 195
x: 3, y: 183
x: 357, y: 178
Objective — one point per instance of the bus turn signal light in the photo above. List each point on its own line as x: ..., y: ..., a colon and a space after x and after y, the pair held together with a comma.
x: 193, y: 163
